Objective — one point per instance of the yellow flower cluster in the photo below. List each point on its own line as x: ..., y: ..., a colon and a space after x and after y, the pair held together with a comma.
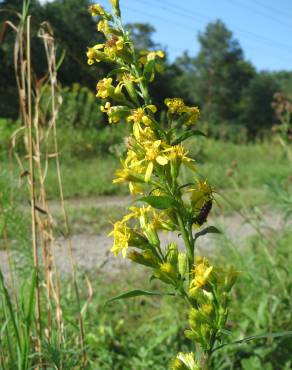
x: 185, y: 361
x: 139, y: 229
x: 177, y: 107
x: 208, y: 288
x: 154, y: 156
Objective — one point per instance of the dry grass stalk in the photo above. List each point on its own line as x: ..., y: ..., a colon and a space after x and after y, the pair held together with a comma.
x: 39, y: 127
x: 46, y: 33
x: 36, y: 143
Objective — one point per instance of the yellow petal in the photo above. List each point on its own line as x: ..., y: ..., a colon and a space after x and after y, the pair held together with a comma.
x: 124, y: 252
x: 146, y: 120
x: 160, y: 53
x: 161, y: 160
x: 136, y: 130
x: 149, y: 171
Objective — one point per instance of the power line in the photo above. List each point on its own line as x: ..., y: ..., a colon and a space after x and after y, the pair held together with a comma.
x: 183, y: 27
x: 271, y: 8
x: 245, y: 33
x: 254, y: 10
x: 187, y: 13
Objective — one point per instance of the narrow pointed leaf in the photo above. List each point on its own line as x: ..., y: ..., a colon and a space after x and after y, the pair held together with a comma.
x: 208, y: 230
x: 186, y: 135
x: 255, y: 337
x: 136, y: 293
x: 159, y: 202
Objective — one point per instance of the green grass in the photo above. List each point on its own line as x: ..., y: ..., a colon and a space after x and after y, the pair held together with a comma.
x: 84, y: 178
x: 253, y: 164
x: 144, y: 333
x: 88, y: 220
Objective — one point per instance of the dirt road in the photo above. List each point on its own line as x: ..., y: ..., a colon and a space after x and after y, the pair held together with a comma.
x: 91, y: 251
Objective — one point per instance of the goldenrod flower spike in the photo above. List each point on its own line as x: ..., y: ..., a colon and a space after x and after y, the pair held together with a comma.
x: 155, y: 155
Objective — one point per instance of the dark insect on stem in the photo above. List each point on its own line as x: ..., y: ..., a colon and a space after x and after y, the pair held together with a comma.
x: 201, y: 218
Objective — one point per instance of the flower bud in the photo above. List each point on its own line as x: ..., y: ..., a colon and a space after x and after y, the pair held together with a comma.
x: 151, y: 235
x: 172, y: 254
x: 182, y: 264
x: 145, y: 258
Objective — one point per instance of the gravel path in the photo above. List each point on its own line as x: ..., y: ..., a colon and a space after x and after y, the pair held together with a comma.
x: 92, y: 251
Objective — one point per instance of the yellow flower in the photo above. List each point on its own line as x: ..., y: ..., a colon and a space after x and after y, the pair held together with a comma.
x: 185, y: 361
x: 143, y: 135
x: 96, y: 10
x: 152, y: 55
x: 140, y: 213
x: 202, y: 193
x: 113, y: 46
x: 161, y: 221
x: 194, y: 114
x: 175, y: 105
x: 139, y: 116
x: 94, y: 54
x: 115, y: 113
x: 201, y: 274
x: 133, y: 175
x: 127, y: 80
x: 121, y: 234
x: 154, y: 153
x: 111, y: 49
x: 105, y: 89
x: 178, y: 152
x: 167, y: 268
x: 103, y: 27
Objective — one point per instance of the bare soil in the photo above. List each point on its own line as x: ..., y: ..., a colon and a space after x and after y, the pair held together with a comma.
x: 92, y: 252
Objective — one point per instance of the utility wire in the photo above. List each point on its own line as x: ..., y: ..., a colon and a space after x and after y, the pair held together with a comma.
x: 254, y: 10
x: 201, y: 19
x: 272, y: 9
x: 135, y: 10
x: 191, y: 15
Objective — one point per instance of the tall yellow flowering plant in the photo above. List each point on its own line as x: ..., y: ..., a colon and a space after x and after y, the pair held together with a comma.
x: 151, y: 167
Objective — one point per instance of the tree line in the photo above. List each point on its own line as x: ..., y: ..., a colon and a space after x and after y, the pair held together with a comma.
x: 227, y: 87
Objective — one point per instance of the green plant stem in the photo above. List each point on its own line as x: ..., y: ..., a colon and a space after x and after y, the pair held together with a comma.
x: 186, y: 239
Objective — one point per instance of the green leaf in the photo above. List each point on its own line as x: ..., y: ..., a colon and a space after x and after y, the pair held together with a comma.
x: 255, y: 337
x: 208, y: 230
x: 149, y: 69
x: 185, y: 185
x: 159, y: 202
x: 186, y: 135
x: 116, y: 71
x: 137, y: 293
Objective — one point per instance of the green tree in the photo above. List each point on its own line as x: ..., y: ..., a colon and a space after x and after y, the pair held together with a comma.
x: 74, y: 29
x: 256, y: 111
x: 142, y: 34
x: 184, y: 82
x: 221, y: 73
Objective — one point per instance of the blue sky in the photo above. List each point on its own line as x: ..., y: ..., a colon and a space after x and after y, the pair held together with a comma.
x: 263, y: 27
